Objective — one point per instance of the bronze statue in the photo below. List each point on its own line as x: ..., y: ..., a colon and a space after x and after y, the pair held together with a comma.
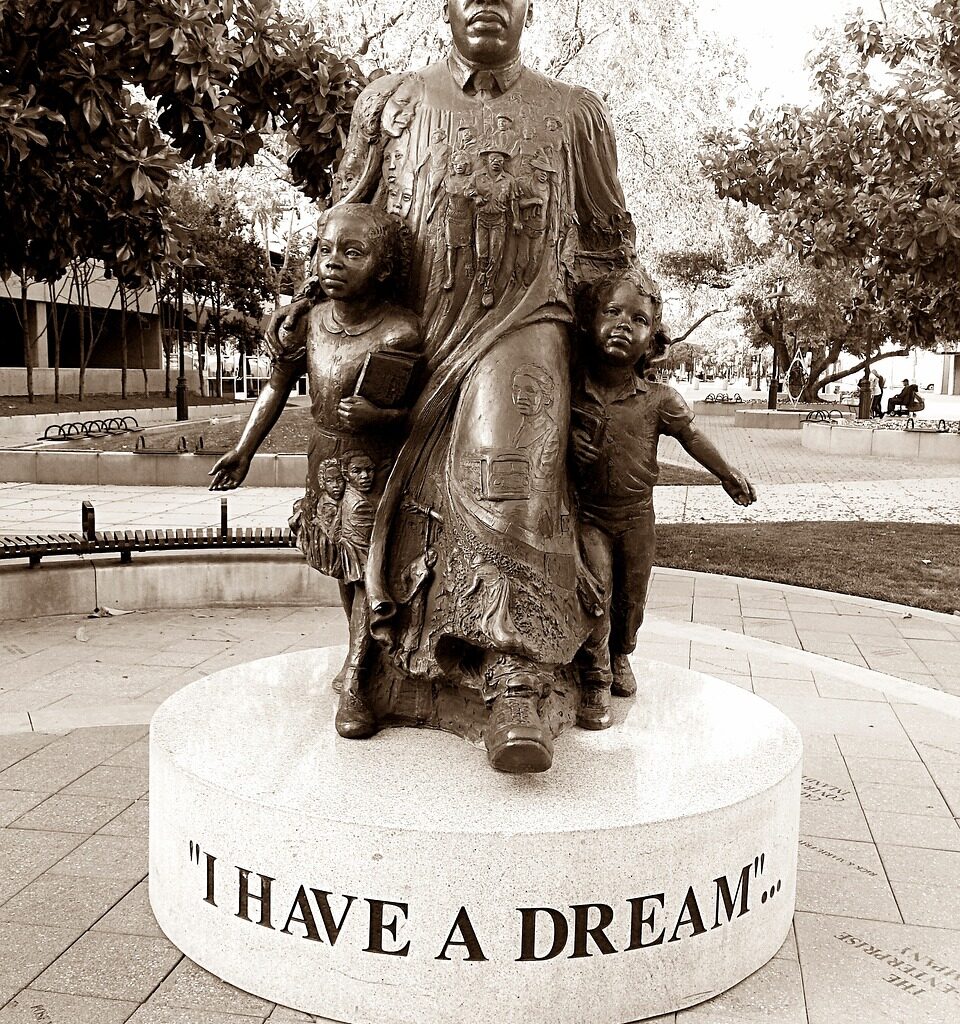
x: 482, y: 483
x: 617, y: 418
x: 359, y: 351
x: 464, y: 552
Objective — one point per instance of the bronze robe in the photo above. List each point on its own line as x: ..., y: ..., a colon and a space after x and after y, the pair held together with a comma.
x: 471, y: 485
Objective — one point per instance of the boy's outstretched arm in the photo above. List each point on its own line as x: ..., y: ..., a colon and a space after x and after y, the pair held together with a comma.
x: 734, y: 482
x: 229, y: 471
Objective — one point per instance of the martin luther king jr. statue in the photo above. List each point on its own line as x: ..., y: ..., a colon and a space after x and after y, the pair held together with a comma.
x: 507, y: 181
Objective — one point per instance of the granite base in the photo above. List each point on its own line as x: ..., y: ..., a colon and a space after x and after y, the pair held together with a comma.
x: 400, y: 880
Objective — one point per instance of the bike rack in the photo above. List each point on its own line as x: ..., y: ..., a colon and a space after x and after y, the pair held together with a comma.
x: 142, y: 449
x: 90, y: 428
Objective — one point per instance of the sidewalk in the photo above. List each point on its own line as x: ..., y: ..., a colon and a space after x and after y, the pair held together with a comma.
x: 873, y: 688
x: 879, y: 881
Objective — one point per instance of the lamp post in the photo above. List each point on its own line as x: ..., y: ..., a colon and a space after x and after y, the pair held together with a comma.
x: 191, y: 263
x: 778, y: 296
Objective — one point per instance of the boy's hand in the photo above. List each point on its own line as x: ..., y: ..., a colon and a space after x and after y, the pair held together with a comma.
x: 229, y: 471
x: 358, y: 413
x: 739, y: 488
x: 584, y: 452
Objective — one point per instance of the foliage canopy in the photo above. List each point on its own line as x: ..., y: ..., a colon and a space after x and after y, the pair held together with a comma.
x: 867, y: 180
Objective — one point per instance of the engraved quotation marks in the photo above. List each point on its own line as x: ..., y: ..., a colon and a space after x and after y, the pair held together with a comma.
x: 211, y: 861
x: 767, y: 894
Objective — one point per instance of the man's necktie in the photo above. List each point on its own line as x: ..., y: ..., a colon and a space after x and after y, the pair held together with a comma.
x: 484, y: 84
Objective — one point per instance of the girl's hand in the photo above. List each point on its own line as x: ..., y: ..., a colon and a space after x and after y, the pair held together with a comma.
x: 739, y: 488
x: 584, y: 452
x: 358, y: 413
x: 229, y: 471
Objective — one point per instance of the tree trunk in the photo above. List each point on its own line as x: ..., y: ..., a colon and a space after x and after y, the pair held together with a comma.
x: 164, y: 338
x: 202, y: 361
x: 81, y: 326
x: 25, y: 325
x: 218, y: 342
x: 123, y: 339
x: 55, y: 323
x: 856, y: 369
x: 94, y: 338
x: 143, y: 354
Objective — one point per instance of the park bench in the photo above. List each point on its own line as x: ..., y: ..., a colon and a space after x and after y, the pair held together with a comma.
x: 90, y: 541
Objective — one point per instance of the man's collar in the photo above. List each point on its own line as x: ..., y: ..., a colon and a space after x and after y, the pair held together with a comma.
x: 463, y: 71
x: 637, y: 384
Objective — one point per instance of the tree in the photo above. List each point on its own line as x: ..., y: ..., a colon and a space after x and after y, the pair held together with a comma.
x: 866, y: 183
x: 234, y: 279
x: 86, y: 167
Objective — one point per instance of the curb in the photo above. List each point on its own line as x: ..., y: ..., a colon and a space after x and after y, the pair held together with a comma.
x: 830, y: 595
x: 31, y: 425
x: 79, y: 585
x: 919, y: 445
x: 132, y: 469
x: 894, y: 688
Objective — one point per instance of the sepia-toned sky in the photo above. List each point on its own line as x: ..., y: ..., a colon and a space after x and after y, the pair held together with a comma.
x: 775, y: 35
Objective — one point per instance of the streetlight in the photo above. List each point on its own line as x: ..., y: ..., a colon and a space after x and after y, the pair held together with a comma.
x: 191, y: 263
x: 778, y: 296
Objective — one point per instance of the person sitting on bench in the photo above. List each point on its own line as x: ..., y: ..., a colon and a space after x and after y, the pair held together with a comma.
x: 907, y: 401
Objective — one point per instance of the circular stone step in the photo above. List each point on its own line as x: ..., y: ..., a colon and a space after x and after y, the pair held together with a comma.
x: 400, y: 880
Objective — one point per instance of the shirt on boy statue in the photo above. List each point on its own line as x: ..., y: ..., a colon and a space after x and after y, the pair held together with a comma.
x: 618, y: 487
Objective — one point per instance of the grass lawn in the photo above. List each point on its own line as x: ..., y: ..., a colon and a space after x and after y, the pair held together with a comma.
x: 888, y: 561
x: 17, y: 405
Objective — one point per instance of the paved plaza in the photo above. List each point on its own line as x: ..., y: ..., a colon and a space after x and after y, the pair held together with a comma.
x: 874, y: 689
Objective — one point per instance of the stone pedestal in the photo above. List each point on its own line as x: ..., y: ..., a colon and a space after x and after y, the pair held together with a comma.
x: 399, y: 880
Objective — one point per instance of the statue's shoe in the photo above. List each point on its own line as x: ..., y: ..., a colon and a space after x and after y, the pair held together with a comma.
x: 355, y: 718
x: 624, y: 681
x: 337, y: 684
x: 515, y: 737
x: 594, y: 710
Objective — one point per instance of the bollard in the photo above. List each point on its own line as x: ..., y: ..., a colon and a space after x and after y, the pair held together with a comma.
x: 223, y: 517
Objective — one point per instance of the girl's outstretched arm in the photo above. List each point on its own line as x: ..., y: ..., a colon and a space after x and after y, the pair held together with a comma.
x: 230, y: 469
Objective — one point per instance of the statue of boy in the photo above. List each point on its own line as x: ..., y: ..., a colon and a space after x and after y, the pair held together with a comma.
x: 358, y: 259
x: 617, y: 419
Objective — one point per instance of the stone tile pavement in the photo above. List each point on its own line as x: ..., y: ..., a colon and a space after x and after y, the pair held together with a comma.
x: 794, y: 485
x: 874, y: 694
x: 874, y: 689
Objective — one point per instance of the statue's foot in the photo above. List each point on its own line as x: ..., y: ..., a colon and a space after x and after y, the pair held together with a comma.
x: 624, y: 681
x: 594, y: 710
x: 515, y: 737
x: 355, y: 718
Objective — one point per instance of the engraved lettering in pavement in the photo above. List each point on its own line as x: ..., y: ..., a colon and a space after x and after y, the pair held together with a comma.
x: 815, y: 791
x: 806, y: 844
x: 915, y: 973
